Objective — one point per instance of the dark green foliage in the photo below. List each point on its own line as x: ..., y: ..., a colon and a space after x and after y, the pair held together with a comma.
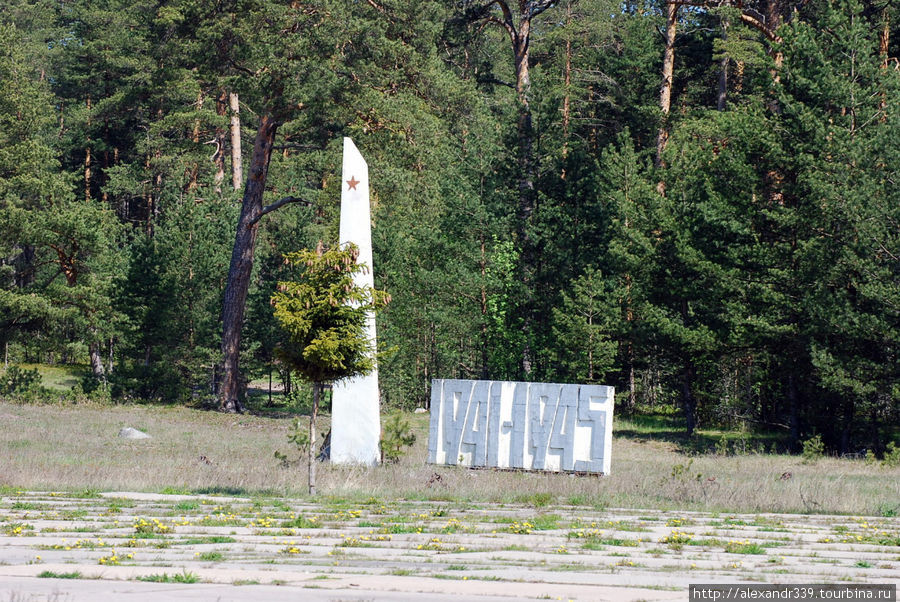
x: 760, y: 290
x: 397, y: 437
x: 16, y: 382
x: 323, y: 314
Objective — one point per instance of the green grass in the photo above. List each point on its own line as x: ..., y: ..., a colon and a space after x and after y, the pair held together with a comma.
x: 58, y: 377
x: 55, y: 575
x: 734, y: 547
x: 546, y: 522
x: 183, y: 577
x: 28, y: 506
x: 402, y: 572
x: 214, y: 556
x: 192, y: 541
x: 301, y: 522
x: 644, y: 457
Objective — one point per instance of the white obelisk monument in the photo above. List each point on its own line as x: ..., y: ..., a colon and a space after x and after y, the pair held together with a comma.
x: 355, y: 411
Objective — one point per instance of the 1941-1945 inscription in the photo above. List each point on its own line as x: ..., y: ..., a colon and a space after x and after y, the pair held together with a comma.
x: 531, y: 426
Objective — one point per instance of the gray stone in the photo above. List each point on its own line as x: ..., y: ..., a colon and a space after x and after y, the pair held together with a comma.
x: 132, y: 433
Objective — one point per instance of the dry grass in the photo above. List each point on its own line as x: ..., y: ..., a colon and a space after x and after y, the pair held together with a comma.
x: 75, y: 447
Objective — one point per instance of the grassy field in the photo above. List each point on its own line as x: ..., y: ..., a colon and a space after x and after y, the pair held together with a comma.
x: 58, y: 378
x: 75, y: 447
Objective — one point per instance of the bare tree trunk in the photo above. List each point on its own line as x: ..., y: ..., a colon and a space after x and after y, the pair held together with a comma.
x: 526, y: 189
x: 688, y: 374
x: 148, y: 198
x: 242, y: 263
x: 722, y: 96
x: 793, y: 399
x: 484, y: 311
x: 665, y: 90
x: 629, y: 344
x: 237, y: 161
x: 97, y: 361
x: 884, y: 39
x: 525, y: 129
x: 87, y: 156
x: 632, y: 395
x: 519, y: 35
x: 104, y: 195
x: 311, y: 459
x: 773, y: 21
x: 194, y: 170
x: 688, y: 402
x: 567, y: 83
x: 218, y: 157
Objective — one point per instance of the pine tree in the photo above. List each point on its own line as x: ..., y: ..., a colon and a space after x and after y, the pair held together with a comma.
x: 323, y: 314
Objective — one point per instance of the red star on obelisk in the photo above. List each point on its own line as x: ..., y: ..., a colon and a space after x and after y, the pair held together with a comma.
x: 352, y: 182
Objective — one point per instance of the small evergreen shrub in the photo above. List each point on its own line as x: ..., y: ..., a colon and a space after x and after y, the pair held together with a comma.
x: 813, y: 449
x: 19, y: 382
x: 397, y: 437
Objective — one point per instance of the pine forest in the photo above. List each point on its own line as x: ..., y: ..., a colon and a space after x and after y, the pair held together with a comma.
x: 695, y: 201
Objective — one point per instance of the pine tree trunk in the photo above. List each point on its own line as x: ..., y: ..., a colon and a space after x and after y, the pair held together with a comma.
x: 311, y: 459
x: 484, y: 312
x: 218, y: 158
x: 722, y: 96
x: 773, y: 21
x: 237, y: 161
x: 632, y: 394
x: 793, y: 399
x: 194, y: 171
x: 688, y: 402
x: 97, y: 368
x: 884, y: 40
x: 526, y: 191
x: 567, y: 84
x: 87, y: 156
x: 242, y: 263
x: 665, y: 90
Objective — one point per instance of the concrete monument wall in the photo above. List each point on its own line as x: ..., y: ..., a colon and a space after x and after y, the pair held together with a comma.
x: 532, y: 426
x: 355, y: 408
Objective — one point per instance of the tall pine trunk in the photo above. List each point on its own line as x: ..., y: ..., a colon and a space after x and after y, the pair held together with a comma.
x: 527, y: 195
x: 688, y: 401
x: 87, y: 155
x: 242, y: 264
x: 97, y: 368
x: 722, y: 96
x: 665, y: 89
x: 218, y: 157
x: 237, y: 161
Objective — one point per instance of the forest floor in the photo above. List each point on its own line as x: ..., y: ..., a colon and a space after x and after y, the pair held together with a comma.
x: 203, y: 507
